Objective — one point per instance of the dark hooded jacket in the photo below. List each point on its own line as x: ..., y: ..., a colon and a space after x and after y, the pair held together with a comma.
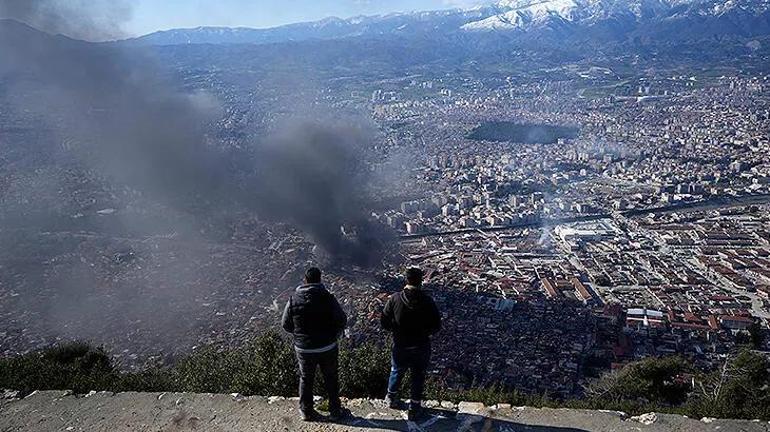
x: 314, y: 317
x: 412, y: 316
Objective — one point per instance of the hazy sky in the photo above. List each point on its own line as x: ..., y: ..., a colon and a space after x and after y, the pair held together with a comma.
x: 152, y: 15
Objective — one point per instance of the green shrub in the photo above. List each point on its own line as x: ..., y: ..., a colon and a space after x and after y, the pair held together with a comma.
x: 489, y: 395
x: 740, y: 388
x: 364, y: 370
x: 267, y: 366
x: 150, y: 380
x: 73, y: 366
x: 208, y: 370
x: 655, y: 380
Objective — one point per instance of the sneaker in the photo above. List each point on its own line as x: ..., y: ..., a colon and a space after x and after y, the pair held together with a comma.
x: 308, y: 415
x: 392, y: 402
x: 339, y: 414
x: 415, y: 413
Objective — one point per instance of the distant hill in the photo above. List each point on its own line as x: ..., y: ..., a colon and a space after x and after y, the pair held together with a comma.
x: 406, y: 24
x: 14, y: 34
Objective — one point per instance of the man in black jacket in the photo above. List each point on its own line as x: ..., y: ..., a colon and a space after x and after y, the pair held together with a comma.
x: 316, y: 320
x: 412, y: 317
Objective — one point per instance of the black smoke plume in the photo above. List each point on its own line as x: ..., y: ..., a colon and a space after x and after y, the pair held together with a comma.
x: 135, y: 127
x: 313, y: 176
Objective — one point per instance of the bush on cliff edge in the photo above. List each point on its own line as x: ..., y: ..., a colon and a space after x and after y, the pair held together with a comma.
x: 267, y: 366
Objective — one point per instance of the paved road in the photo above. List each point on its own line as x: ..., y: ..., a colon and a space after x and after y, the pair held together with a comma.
x: 124, y: 412
x: 710, y: 204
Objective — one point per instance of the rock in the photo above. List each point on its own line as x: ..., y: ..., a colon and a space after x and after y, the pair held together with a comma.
x: 431, y: 404
x: 10, y: 394
x: 273, y: 399
x: 645, y: 419
x: 708, y: 419
x: 356, y: 402
x: 470, y: 407
x: 379, y: 404
x: 448, y: 405
x: 238, y: 397
x: 91, y: 393
x: 619, y: 414
x: 503, y: 406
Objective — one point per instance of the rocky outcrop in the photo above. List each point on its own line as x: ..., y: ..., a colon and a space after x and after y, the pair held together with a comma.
x: 103, y: 411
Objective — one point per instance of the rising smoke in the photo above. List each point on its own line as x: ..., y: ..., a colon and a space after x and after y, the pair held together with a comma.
x: 133, y: 126
x: 313, y: 176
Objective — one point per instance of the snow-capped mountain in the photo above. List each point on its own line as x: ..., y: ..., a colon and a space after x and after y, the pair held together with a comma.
x: 529, y: 14
x: 618, y: 19
x: 520, y: 14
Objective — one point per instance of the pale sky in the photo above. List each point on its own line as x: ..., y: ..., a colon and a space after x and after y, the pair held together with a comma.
x: 151, y: 15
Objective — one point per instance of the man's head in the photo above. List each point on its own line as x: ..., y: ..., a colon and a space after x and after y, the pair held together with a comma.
x: 414, y: 277
x: 313, y: 275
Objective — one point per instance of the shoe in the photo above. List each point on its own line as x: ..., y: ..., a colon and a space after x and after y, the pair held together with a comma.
x: 339, y: 414
x: 308, y: 415
x: 415, y: 413
x: 392, y: 402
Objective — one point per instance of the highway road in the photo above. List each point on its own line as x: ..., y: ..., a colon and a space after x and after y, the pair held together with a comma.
x: 710, y: 204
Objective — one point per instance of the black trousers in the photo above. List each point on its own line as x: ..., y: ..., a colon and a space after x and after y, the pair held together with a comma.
x: 328, y: 363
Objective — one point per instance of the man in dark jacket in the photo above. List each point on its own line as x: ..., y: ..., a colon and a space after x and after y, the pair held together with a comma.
x: 316, y: 320
x: 412, y: 317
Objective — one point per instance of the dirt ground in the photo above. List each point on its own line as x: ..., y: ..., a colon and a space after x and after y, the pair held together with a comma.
x: 62, y: 411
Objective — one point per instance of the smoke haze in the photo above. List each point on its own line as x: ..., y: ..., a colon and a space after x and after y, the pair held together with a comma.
x: 79, y: 19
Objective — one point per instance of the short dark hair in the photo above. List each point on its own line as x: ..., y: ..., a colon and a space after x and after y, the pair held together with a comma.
x: 313, y: 275
x: 413, y: 276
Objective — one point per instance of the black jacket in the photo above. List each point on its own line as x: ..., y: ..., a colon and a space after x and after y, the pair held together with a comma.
x: 314, y: 317
x: 412, y: 316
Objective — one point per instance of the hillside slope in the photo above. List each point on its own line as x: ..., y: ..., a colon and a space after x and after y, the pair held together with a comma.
x: 61, y: 411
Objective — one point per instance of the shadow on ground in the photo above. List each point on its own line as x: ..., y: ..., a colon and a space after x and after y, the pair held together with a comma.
x: 439, y: 420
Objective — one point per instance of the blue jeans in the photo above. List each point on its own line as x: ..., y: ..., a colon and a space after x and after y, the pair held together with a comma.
x: 414, y: 359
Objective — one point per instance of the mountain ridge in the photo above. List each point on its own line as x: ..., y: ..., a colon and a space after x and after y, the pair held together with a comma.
x: 624, y: 19
x: 416, y: 23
